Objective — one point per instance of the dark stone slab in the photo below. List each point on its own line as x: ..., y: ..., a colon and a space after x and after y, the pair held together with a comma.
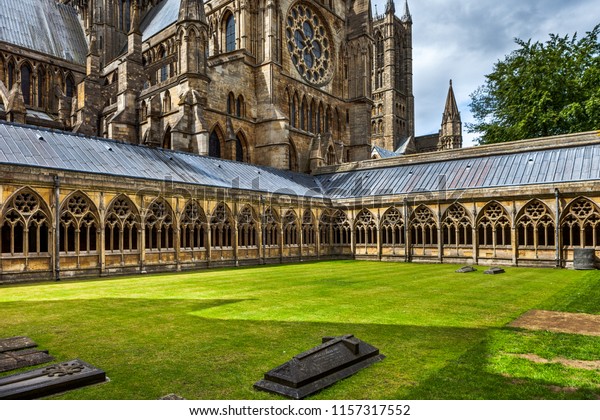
x: 584, y: 259
x: 50, y: 380
x: 309, y: 372
x: 494, y: 270
x: 11, y: 360
x: 466, y: 269
x: 16, y: 343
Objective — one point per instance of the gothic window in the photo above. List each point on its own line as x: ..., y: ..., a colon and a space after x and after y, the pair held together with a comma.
x: 535, y: 226
x: 308, y: 44
x: 230, y: 33
x: 221, y: 229
x: 78, y: 226
x: 247, y: 225
x: 166, y: 102
x: 270, y: 227
x: 303, y: 114
x: 292, y: 157
x: 26, y: 226
x: 240, y: 107
x: 308, y: 228
x: 423, y: 227
x: 164, y: 69
x: 230, y: 103
x: 341, y: 228
x: 392, y: 228
x: 214, y: 145
x: 192, y: 231
x: 581, y: 224
x: 167, y: 139
x: 456, y: 226
x: 494, y: 226
x: 26, y: 83
x: 290, y: 228
x: 311, y: 116
x: 325, y: 228
x: 331, y: 160
x: 379, y: 59
x: 70, y: 86
x: 121, y: 226
x: 127, y: 15
x: 365, y: 231
x: 239, y: 148
x: 159, y: 226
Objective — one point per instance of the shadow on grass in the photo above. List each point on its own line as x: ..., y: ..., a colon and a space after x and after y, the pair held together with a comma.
x: 150, y: 348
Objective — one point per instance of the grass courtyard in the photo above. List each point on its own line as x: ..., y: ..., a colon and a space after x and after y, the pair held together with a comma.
x: 212, y: 334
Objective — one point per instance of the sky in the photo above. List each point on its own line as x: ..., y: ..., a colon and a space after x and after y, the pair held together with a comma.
x: 463, y: 39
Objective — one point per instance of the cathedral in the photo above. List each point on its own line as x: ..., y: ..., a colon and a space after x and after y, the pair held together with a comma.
x: 288, y: 84
x: 163, y: 135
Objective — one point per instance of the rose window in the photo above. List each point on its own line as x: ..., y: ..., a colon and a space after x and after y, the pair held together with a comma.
x: 308, y: 44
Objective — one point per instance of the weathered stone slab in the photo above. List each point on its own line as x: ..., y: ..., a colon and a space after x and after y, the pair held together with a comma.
x: 494, y: 270
x: 16, y: 343
x: 11, y: 360
x: 171, y: 397
x: 309, y: 372
x: 466, y: 269
x: 50, y: 380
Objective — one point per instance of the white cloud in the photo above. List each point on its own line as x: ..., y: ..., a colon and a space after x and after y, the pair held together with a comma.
x: 462, y: 41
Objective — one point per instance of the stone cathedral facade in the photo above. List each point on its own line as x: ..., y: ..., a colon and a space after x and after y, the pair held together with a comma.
x: 291, y: 84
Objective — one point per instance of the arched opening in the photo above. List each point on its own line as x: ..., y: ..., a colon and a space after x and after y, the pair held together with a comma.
x: 167, y: 139
x: 69, y: 86
x: 26, y: 83
x: 214, y: 144
x: 230, y: 33
x: 240, y: 155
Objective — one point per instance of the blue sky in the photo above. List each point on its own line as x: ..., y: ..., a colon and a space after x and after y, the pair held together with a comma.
x: 461, y: 40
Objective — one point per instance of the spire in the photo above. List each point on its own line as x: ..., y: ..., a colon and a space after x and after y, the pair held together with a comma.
x: 451, y: 111
x: 191, y: 10
x: 406, y: 17
x: 135, y: 19
x: 390, y: 7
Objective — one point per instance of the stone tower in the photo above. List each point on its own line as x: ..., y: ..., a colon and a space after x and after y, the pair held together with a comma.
x: 451, y: 132
x: 392, y: 119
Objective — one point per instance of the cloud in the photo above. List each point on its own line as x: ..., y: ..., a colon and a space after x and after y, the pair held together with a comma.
x: 463, y: 40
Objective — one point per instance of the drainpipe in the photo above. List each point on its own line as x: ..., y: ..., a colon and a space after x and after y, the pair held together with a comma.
x: 557, y: 227
x: 57, y: 228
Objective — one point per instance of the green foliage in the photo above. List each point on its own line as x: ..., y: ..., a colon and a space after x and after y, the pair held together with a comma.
x: 541, y: 89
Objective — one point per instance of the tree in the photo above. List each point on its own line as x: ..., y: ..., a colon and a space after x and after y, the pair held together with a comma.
x: 541, y: 89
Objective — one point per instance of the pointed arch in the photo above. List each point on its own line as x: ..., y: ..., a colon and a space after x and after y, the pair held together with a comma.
x: 79, y: 225
x: 26, y: 224
x: 535, y: 226
x: 230, y: 103
x: 493, y: 226
x: 121, y: 226
x: 303, y: 113
x: 247, y: 227
x: 457, y: 227
x: 69, y: 85
x: 228, y: 28
x: 241, y: 147
x: 341, y: 228
x: 240, y: 107
x: 331, y: 157
x: 215, y: 142
x: 423, y: 227
x: 290, y: 228
x: 221, y: 225
x: 26, y: 82
x: 166, y: 102
x: 270, y: 227
x: 308, y: 228
x: 365, y: 228
x: 159, y: 226
x: 192, y: 227
x: 167, y: 142
x: 580, y: 223
x: 41, y: 87
x: 292, y: 157
x: 392, y: 228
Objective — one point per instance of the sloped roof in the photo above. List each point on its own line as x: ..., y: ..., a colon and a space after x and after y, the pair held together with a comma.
x: 44, y: 26
x: 160, y: 17
x: 552, y: 165
x: 52, y: 149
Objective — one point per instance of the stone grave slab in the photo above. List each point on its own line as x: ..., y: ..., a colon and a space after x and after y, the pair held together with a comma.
x: 50, y: 380
x: 11, y: 360
x: 494, y: 270
x: 16, y: 343
x: 466, y: 269
x: 309, y: 372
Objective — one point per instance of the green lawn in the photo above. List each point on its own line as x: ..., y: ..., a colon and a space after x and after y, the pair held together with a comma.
x: 212, y: 334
